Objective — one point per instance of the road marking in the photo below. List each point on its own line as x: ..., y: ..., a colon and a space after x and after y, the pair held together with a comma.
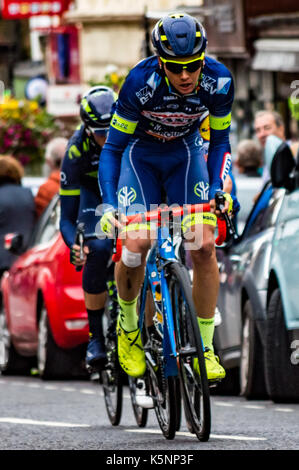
x: 254, y: 407
x: 285, y: 410
x: 51, y: 387
x: 87, y: 391
x: 42, y: 423
x: 213, y: 436
x: 220, y: 403
x: 68, y: 389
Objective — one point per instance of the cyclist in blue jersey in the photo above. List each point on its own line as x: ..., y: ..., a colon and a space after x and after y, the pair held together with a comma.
x: 154, y: 143
x: 80, y: 196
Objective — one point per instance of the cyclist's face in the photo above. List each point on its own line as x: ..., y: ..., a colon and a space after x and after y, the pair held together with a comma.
x: 100, y: 139
x: 184, y: 82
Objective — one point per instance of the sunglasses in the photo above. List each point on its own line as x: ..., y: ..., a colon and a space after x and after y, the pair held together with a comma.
x: 97, y: 131
x: 178, y: 67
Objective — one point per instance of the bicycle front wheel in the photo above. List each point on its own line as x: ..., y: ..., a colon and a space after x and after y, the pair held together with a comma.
x: 140, y: 413
x: 194, y: 382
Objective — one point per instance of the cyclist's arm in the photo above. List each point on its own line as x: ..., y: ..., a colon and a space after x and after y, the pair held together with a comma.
x: 70, y: 192
x: 219, y: 158
x: 122, y: 127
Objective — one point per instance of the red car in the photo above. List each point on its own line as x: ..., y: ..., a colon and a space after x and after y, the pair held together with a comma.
x: 43, y: 315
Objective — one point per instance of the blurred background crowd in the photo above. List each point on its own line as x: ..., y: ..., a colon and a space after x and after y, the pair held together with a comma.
x: 52, y: 52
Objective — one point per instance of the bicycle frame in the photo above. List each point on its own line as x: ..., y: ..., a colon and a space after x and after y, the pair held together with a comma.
x: 163, y: 250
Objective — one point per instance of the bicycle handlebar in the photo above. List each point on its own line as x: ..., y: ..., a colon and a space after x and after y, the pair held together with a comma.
x: 157, y: 216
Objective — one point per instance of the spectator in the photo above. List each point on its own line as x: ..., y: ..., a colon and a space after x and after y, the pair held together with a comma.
x: 249, y: 158
x: 268, y: 123
x: 55, y: 151
x: 17, y: 211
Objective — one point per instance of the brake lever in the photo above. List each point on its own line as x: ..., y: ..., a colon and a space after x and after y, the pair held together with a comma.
x: 220, y: 203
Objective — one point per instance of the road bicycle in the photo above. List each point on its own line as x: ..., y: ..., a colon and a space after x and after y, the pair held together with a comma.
x: 169, y: 327
x: 112, y: 376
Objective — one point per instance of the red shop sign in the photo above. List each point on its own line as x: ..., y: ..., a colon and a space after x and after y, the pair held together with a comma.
x: 18, y: 9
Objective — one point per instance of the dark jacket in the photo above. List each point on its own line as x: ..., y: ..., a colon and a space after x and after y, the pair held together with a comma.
x: 17, y: 215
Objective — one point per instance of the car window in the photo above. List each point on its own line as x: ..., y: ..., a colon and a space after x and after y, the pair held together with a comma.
x: 51, y: 226
x: 265, y: 212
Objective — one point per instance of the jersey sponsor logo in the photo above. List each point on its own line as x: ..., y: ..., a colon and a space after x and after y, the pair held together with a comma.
x: 212, y: 86
x: 223, y: 85
x: 171, y: 119
x: 201, y: 190
x: 74, y: 152
x: 63, y: 177
x: 226, y: 165
x: 170, y: 98
x: 208, y: 84
x: 123, y: 125
x: 220, y: 123
x: 126, y: 196
x: 204, y: 128
x: 145, y: 94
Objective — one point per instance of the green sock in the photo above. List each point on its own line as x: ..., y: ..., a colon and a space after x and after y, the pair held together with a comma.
x: 207, y: 326
x: 128, y: 314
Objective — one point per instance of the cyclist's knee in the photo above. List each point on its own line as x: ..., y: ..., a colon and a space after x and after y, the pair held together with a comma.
x: 134, y: 253
x: 205, y: 252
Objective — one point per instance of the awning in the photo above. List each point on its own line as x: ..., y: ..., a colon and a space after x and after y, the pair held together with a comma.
x: 276, y: 55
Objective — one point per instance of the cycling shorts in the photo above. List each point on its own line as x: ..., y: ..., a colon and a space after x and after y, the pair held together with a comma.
x: 148, y: 168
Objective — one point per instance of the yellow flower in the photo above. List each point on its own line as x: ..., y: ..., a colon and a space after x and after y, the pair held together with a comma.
x: 114, y: 78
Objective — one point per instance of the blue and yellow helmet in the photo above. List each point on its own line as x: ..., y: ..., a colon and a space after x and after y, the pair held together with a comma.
x: 179, y: 35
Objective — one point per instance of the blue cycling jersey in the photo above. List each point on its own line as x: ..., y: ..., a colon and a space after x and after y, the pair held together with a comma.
x: 150, y: 109
x: 80, y: 197
x: 79, y: 191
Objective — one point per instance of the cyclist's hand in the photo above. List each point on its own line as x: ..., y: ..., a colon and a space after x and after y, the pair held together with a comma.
x: 109, y: 222
x: 228, y: 205
x: 75, y: 255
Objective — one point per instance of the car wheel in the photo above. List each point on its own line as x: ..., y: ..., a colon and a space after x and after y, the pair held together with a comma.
x: 282, y: 376
x: 52, y: 361
x: 252, y: 375
x: 10, y: 361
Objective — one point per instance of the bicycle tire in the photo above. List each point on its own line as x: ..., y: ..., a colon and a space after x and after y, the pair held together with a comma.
x: 112, y: 375
x: 194, y: 387
x: 113, y: 389
x: 141, y: 414
x: 162, y: 389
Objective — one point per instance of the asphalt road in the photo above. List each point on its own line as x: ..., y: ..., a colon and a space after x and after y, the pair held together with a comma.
x: 71, y: 415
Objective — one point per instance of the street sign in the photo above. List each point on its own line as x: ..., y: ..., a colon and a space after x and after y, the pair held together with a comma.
x: 64, y: 100
x: 19, y: 9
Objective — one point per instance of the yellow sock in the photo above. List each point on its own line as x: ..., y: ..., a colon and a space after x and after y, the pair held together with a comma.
x: 128, y: 314
x: 207, y: 326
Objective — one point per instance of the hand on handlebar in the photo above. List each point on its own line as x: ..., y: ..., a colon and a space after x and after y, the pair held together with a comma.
x: 110, y: 223
x: 78, y: 258
x: 225, y: 205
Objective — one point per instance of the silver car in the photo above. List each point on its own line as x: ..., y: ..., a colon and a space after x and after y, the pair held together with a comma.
x: 253, y: 270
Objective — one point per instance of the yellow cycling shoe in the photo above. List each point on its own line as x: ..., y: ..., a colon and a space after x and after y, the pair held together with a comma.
x: 130, y: 352
x: 214, y: 370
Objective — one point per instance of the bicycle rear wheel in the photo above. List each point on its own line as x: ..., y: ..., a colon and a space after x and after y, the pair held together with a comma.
x: 194, y: 386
